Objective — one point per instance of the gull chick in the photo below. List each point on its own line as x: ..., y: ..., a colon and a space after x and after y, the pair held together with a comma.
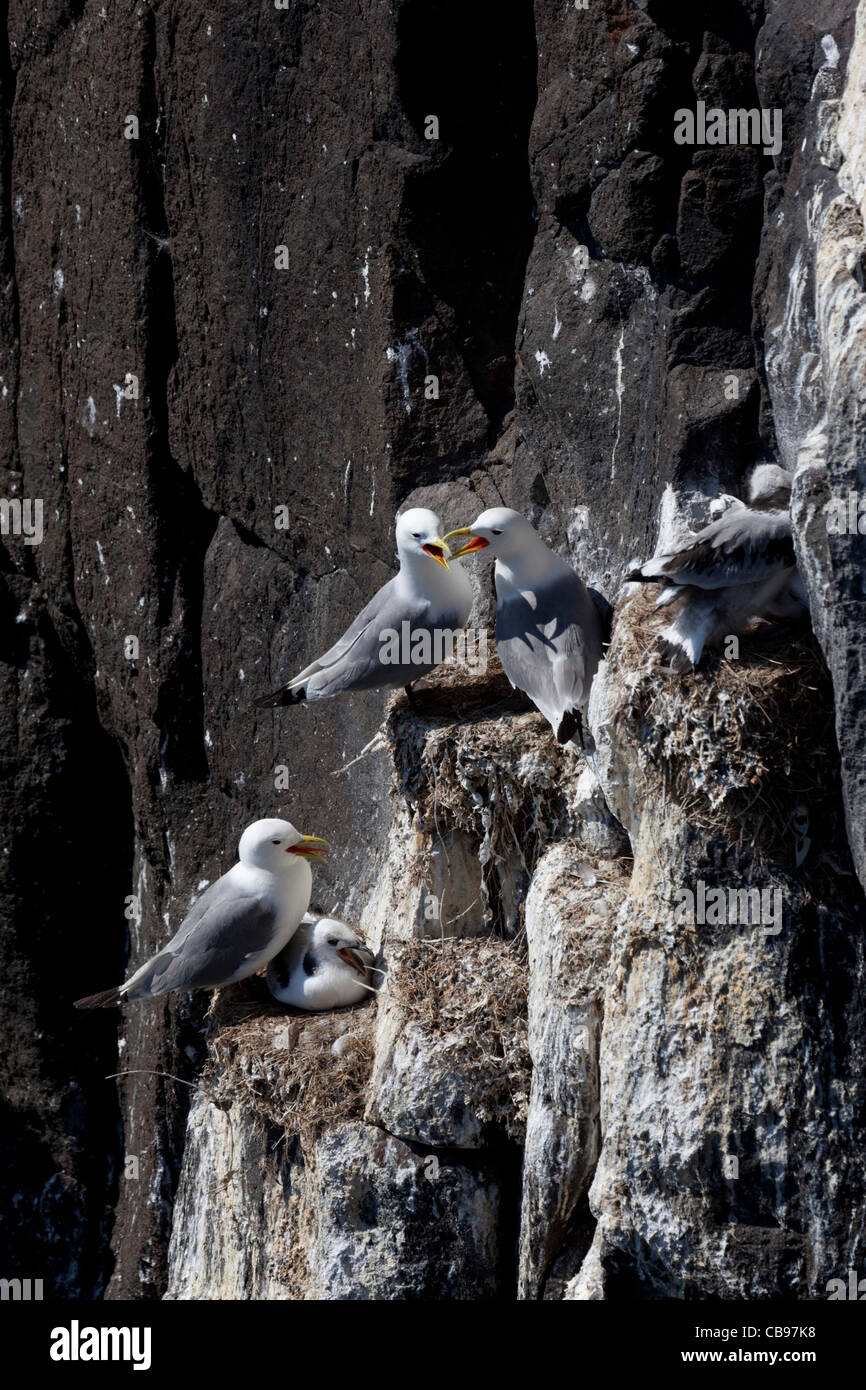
x: 548, y: 630
x: 739, y: 568
x: 238, y: 924
x: 325, y: 966
x: 428, y: 594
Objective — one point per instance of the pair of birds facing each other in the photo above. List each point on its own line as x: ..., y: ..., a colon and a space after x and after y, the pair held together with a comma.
x: 548, y: 629
x: 739, y: 568
x: 255, y: 916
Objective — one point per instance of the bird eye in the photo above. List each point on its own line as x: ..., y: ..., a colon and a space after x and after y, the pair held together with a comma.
x: 495, y: 532
x: 416, y: 535
x: 333, y: 941
x: 275, y: 842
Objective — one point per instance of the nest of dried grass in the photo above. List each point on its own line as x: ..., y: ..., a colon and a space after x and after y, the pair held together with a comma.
x: 300, y: 1073
x: 475, y: 757
x: 472, y: 992
x: 303, y: 1074
x: 738, y: 744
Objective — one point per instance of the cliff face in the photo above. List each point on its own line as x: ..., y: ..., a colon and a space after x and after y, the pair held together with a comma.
x: 563, y: 1090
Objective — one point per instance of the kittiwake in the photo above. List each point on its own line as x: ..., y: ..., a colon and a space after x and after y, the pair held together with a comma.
x: 238, y: 924
x: 548, y: 629
x: 402, y: 633
x: 325, y: 966
x: 739, y: 568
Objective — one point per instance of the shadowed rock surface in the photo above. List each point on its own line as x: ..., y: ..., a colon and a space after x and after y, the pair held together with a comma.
x: 619, y: 326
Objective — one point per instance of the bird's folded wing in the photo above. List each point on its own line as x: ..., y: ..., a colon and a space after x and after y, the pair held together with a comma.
x: 742, y: 547
x: 381, y: 601
x: 551, y: 651
x: 207, y: 952
x: 360, y: 661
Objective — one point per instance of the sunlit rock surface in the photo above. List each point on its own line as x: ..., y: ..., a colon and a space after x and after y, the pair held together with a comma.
x: 563, y: 1089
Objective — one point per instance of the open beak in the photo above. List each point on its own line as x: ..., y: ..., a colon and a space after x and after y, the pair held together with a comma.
x: 438, y: 551
x: 310, y: 847
x: 476, y: 543
x: 352, y: 956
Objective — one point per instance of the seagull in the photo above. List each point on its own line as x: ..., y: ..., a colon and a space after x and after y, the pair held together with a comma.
x: 548, y: 630
x: 325, y: 966
x: 238, y: 924
x: 739, y: 568
x: 400, y: 634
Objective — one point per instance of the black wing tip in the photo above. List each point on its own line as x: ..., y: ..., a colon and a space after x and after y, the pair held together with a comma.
x: 284, y: 696
x: 105, y: 999
x: 676, y: 658
x: 638, y: 577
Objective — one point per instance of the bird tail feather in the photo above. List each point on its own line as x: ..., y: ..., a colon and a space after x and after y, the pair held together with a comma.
x: 286, y: 695
x: 105, y: 999
x: 570, y: 724
x: 674, y: 656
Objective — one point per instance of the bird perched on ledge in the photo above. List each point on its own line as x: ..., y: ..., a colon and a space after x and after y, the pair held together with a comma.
x: 548, y: 630
x: 739, y: 568
x: 428, y: 593
x: 325, y: 966
x: 238, y: 924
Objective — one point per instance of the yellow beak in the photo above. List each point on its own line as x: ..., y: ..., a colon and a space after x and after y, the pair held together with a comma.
x: 476, y: 543
x: 310, y: 847
x: 438, y: 550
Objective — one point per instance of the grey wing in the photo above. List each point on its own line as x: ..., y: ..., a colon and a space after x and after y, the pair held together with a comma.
x: 742, y: 547
x: 360, y: 665
x: 551, y: 651
x: 207, y: 951
x: 356, y: 629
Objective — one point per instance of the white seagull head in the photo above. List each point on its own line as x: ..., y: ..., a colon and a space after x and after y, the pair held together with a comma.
x: 419, y: 535
x: 276, y: 845
x: 333, y: 941
x: 500, y: 531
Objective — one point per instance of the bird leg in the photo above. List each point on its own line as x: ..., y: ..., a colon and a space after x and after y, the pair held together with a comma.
x: 413, y: 704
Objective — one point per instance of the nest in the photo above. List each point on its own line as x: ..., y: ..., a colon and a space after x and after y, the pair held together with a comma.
x: 475, y: 757
x: 301, y: 1074
x: 472, y: 993
x: 742, y: 746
